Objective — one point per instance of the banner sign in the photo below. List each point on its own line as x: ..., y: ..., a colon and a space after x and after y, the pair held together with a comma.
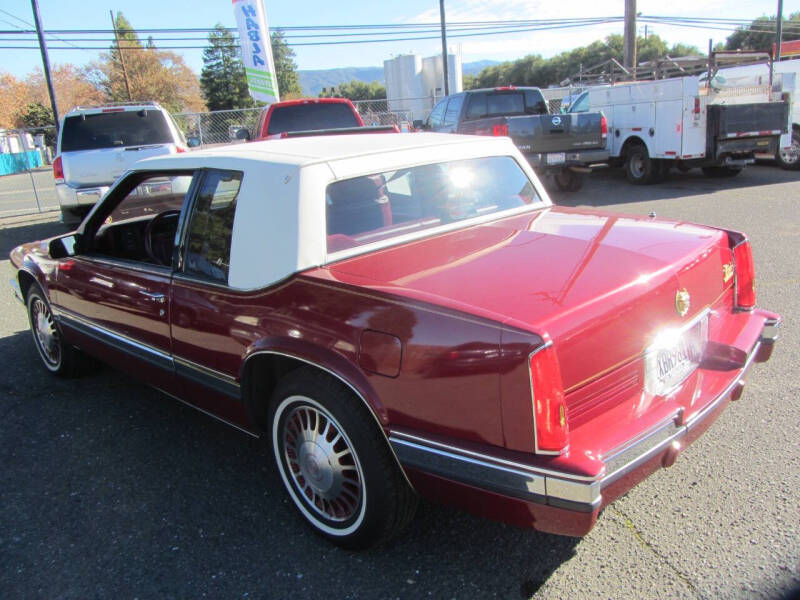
x: 251, y: 18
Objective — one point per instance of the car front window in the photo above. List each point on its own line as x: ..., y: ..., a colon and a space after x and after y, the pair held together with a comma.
x: 387, y: 205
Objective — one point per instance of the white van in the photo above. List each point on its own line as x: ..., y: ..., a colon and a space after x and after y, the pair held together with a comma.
x: 97, y: 144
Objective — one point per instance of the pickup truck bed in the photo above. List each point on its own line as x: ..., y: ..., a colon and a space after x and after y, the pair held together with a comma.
x: 557, y: 144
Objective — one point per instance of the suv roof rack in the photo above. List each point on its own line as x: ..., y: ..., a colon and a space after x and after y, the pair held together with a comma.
x: 113, y: 104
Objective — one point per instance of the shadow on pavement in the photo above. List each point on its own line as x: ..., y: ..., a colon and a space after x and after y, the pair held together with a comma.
x: 108, y: 487
x: 15, y: 231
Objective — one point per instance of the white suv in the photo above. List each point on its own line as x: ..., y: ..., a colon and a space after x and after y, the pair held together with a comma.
x: 97, y: 144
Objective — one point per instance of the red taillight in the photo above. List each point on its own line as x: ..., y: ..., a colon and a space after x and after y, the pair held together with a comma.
x: 604, y: 126
x: 549, y: 406
x: 180, y: 149
x: 58, y: 170
x: 500, y: 130
x: 697, y: 105
x: 745, y: 276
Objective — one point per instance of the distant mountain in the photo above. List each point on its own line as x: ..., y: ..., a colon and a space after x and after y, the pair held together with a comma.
x: 312, y: 81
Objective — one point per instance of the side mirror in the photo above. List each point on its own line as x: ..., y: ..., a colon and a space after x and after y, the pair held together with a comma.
x: 64, y: 246
x: 243, y: 134
x: 193, y: 142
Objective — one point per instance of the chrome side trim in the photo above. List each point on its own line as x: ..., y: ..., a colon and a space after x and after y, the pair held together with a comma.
x: 121, y: 342
x: 210, y: 378
x: 517, y: 481
x: 349, y: 385
x: 491, y: 459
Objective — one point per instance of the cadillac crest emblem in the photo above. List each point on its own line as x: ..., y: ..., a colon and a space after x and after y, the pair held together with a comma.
x: 727, y: 272
x: 682, y: 302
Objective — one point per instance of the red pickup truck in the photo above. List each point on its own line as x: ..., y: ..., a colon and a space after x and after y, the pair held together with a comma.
x: 307, y: 114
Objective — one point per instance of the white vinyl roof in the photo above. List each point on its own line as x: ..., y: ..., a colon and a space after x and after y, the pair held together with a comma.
x: 280, y: 223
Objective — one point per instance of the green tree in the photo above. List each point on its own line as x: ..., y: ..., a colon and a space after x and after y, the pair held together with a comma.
x: 153, y: 74
x: 357, y: 90
x: 285, y: 68
x: 36, y: 115
x: 760, y: 34
x: 223, y: 79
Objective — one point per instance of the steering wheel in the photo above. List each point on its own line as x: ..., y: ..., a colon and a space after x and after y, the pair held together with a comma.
x: 152, y: 226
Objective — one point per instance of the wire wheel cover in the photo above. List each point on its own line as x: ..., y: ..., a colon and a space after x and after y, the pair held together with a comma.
x: 321, y: 463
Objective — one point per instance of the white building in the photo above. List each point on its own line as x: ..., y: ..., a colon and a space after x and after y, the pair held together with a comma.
x: 413, y: 83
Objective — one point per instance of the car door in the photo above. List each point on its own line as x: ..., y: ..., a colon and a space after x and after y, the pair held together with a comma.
x: 114, y: 294
x: 206, y: 342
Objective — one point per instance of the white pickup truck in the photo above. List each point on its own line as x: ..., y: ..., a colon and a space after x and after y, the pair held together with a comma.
x: 653, y: 125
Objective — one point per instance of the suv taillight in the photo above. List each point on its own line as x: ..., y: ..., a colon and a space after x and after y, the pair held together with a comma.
x: 500, y: 130
x: 549, y: 406
x: 604, y: 126
x: 745, y: 275
x: 58, y: 170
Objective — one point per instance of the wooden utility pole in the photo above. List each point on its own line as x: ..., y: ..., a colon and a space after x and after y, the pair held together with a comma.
x: 629, y: 39
x: 444, y: 50
x: 45, y: 61
x: 121, y: 57
x: 779, y: 31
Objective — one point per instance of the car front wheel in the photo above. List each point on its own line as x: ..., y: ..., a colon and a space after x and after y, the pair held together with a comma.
x: 335, y: 462
x: 58, y: 357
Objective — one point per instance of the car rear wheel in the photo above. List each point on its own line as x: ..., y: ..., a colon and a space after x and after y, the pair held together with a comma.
x: 335, y: 462
x: 640, y: 169
x: 790, y: 159
x: 57, y: 356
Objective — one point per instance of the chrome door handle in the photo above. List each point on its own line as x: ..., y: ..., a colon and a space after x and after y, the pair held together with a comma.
x: 155, y: 297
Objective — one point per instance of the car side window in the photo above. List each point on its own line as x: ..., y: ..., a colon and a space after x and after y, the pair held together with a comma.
x: 535, y: 103
x: 453, y: 110
x: 210, y: 229
x: 141, y: 227
x: 437, y: 115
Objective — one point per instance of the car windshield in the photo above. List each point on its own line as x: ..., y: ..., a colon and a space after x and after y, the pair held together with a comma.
x: 307, y: 117
x: 388, y: 205
x: 114, y: 129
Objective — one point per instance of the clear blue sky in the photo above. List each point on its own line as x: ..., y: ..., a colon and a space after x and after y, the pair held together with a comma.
x: 93, y: 14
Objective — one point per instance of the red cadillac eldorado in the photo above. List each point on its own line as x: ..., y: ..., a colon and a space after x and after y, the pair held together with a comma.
x: 404, y: 316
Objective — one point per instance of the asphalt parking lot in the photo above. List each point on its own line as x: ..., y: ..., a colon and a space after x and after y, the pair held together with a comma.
x: 108, y: 488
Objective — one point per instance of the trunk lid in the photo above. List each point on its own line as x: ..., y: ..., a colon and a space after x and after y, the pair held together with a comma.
x: 600, y: 285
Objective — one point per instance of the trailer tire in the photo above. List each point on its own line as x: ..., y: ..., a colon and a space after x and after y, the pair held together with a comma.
x: 790, y: 159
x: 717, y: 172
x: 640, y: 169
x: 568, y: 180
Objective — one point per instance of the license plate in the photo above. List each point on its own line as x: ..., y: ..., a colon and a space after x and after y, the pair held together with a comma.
x: 672, y: 359
x: 556, y: 158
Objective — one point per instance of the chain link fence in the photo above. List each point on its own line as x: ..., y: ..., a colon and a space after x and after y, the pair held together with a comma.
x: 561, y: 97
x: 26, y: 177
x: 215, y: 128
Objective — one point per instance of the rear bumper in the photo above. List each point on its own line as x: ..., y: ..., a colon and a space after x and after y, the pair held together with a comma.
x: 553, y: 501
x: 573, y: 158
x: 71, y: 197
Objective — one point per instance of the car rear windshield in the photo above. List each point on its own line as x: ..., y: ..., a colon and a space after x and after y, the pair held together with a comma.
x: 114, y: 129
x: 306, y: 117
x: 396, y: 203
x: 505, y: 103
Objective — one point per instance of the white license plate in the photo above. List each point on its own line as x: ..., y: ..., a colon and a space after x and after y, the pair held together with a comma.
x: 671, y: 360
x: 556, y: 158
